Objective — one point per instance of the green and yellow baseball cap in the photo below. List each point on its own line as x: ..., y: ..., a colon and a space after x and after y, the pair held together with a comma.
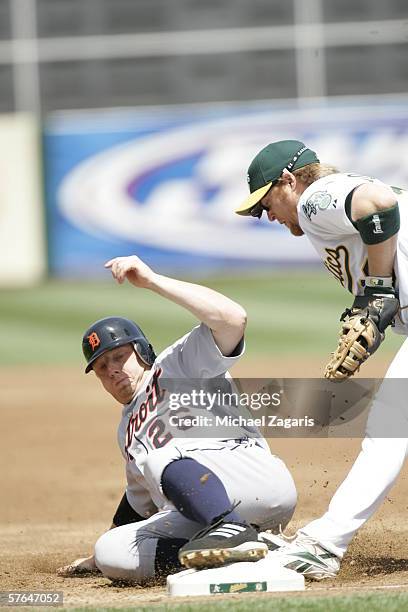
x: 268, y: 166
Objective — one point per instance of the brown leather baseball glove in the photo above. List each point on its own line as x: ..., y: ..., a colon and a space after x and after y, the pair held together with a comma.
x: 362, y: 332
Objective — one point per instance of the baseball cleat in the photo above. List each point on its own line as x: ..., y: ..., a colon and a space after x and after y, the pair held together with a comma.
x: 222, y: 543
x: 305, y: 555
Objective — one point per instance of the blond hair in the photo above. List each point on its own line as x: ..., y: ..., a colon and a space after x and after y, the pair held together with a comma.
x: 312, y: 172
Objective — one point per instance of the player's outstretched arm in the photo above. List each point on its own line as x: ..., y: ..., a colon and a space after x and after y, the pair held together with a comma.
x: 225, y: 318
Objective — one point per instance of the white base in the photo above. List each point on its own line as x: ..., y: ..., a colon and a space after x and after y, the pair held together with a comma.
x: 266, y: 575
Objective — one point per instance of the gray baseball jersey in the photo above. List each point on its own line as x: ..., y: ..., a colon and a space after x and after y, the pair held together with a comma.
x: 145, y: 435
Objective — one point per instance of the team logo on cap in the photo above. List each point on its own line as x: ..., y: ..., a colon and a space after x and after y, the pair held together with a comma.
x: 94, y: 341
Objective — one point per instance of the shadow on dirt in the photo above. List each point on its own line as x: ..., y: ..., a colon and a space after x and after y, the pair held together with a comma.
x: 374, y: 566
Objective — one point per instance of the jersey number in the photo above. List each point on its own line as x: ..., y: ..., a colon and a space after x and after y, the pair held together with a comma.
x: 157, y: 434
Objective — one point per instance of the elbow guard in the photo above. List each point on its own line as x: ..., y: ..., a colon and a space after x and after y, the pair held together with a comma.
x: 378, y: 227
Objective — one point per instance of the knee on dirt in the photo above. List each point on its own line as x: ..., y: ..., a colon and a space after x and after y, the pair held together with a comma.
x: 118, y: 559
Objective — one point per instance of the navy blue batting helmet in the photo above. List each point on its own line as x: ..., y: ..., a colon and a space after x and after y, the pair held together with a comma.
x: 111, y: 332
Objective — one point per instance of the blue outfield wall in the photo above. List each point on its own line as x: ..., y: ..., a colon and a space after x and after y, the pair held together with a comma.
x: 163, y: 183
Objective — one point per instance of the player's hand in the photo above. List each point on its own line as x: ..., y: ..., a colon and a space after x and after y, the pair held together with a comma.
x: 80, y: 567
x: 133, y: 269
x: 362, y: 331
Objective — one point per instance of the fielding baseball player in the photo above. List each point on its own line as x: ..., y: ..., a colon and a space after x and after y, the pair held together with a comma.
x: 178, y: 485
x: 355, y: 226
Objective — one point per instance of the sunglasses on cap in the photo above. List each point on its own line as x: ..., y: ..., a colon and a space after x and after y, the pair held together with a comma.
x: 259, y: 208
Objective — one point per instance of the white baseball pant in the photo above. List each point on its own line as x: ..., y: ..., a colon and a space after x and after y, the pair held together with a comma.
x: 251, y: 475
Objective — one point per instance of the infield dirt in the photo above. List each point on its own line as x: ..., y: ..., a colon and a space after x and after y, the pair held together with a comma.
x: 63, y: 476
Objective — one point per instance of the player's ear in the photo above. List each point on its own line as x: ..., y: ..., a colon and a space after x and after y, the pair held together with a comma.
x: 288, y: 178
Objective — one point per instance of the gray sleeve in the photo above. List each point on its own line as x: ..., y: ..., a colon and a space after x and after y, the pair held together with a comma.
x: 138, y: 497
x: 200, y: 357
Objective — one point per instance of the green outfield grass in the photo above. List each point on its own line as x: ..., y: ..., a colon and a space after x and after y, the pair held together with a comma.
x: 289, y: 313
x: 364, y: 602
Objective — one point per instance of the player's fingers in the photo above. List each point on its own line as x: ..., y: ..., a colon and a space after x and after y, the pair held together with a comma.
x: 128, y: 264
x: 114, y: 262
x: 121, y: 266
x: 80, y: 567
x: 108, y: 264
x: 121, y: 271
x: 115, y: 268
x: 68, y: 571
